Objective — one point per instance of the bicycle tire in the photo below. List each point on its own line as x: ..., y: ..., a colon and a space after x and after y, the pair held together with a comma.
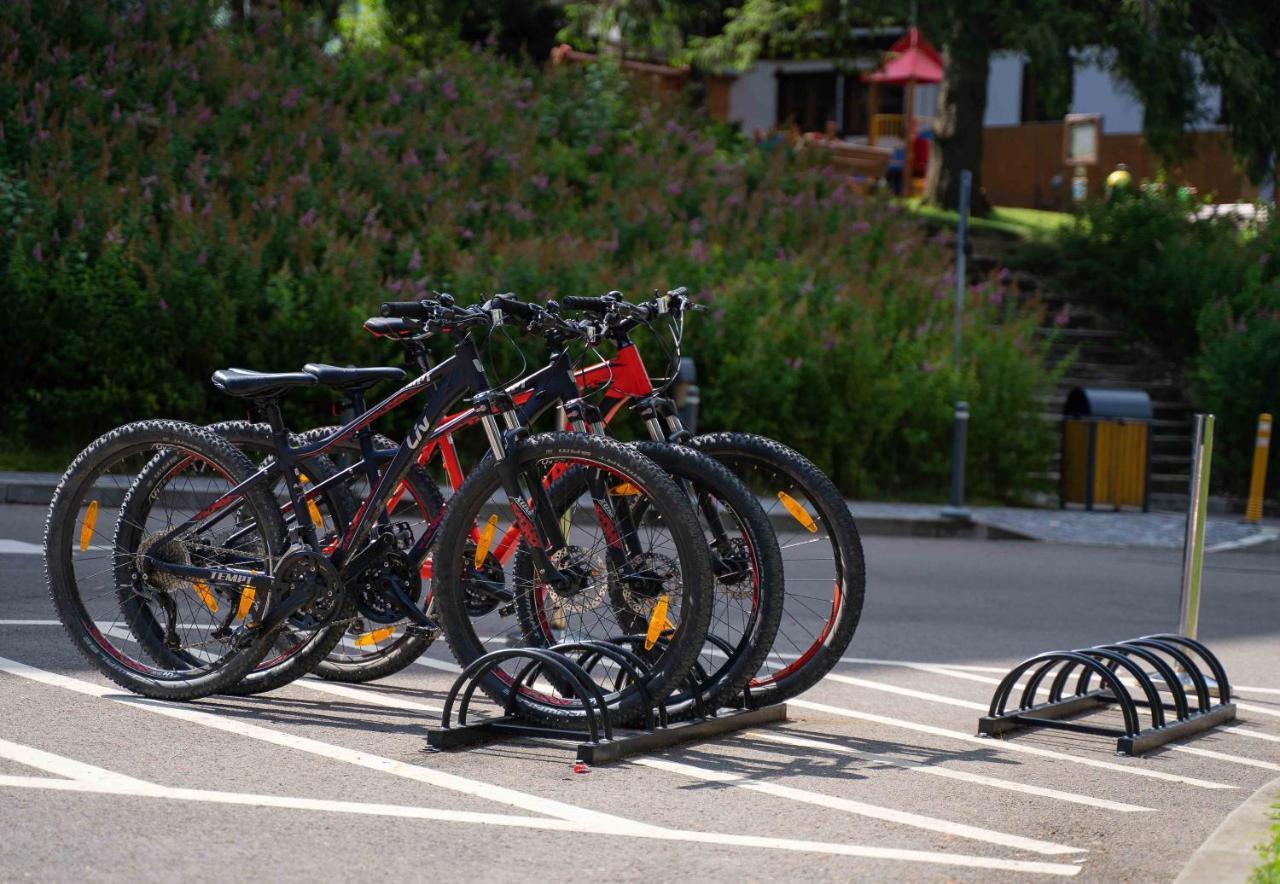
x: 739, y: 451
x: 624, y: 464
x: 60, y: 574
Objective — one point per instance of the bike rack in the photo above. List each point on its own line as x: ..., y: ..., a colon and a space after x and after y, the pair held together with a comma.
x: 1159, y: 664
x: 569, y: 667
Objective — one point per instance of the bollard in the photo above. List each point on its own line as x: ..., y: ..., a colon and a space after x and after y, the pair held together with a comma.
x: 1193, y: 543
x: 1258, y: 480
x: 959, y: 445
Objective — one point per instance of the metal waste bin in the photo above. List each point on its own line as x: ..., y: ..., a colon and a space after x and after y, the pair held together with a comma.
x: 1106, y: 448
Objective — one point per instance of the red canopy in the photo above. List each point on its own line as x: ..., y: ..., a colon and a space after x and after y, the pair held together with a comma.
x: 911, y: 59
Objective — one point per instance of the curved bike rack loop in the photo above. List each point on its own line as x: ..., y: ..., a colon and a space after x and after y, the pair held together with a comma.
x: 1161, y: 665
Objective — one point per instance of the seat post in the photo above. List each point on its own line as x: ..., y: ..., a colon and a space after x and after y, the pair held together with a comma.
x: 269, y: 408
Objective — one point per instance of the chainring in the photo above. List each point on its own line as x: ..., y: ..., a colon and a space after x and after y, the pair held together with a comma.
x: 372, y: 583
x: 313, y: 572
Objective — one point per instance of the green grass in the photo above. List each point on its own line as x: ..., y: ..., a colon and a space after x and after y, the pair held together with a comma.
x: 1269, y: 871
x: 19, y: 458
x: 1023, y: 223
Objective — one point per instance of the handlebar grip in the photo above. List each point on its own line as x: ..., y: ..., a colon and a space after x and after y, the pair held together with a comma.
x: 406, y: 310
x: 518, y: 309
x: 591, y: 305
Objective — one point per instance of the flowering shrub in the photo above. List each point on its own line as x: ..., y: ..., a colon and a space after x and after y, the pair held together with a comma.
x: 177, y: 195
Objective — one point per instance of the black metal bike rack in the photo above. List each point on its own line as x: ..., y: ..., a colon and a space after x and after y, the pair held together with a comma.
x: 599, y: 742
x: 1161, y: 665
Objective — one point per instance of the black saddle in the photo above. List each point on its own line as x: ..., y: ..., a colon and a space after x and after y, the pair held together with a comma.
x: 351, y: 378
x: 388, y: 327
x: 259, y: 384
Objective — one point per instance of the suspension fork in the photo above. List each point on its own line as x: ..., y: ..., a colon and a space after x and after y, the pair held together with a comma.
x: 535, y: 520
x: 614, y: 511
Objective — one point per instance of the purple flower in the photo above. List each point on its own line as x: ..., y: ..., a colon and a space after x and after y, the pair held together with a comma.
x: 594, y: 150
x: 171, y: 106
x: 113, y: 237
x: 860, y: 227
x: 540, y: 181
x: 164, y: 305
x: 441, y: 156
x: 394, y: 98
x: 928, y: 367
x: 202, y: 258
x: 107, y: 93
x: 185, y: 204
x: 674, y: 188
x: 698, y: 251
x: 37, y: 253
x: 695, y: 226
x: 995, y: 299
x: 415, y: 261
x: 115, y: 113
x: 290, y: 100
x: 1003, y: 276
x: 449, y: 91
x: 409, y: 158
x: 1063, y: 316
x: 308, y: 219
x: 793, y: 362
x: 465, y: 234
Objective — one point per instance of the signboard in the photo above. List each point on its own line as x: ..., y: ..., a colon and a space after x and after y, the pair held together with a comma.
x: 1081, y: 134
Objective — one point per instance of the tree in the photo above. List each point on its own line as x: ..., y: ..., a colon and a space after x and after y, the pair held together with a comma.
x: 516, y: 28
x: 1167, y: 50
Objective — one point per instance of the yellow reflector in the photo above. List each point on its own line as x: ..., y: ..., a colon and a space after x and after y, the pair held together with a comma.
x: 315, y: 514
x: 86, y: 527
x: 372, y: 638
x: 486, y: 538
x: 206, y: 596
x: 625, y: 488
x: 246, y: 602
x: 798, y: 512
x: 658, y: 622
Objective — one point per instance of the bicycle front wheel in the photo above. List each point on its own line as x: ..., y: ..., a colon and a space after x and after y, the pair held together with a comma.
x: 621, y: 575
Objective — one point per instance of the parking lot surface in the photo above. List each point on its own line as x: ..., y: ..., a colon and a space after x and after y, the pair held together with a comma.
x: 877, y: 774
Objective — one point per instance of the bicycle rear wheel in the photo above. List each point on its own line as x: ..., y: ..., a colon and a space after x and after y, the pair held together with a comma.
x: 821, y: 559
x: 147, y: 629
x: 655, y: 574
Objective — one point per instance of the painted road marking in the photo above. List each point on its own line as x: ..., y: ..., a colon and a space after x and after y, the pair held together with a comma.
x: 1006, y: 746
x: 1261, y: 710
x: 30, y: 622
x: 1247, y: 689
x: 1249, y: 732
x: 20, y: 548
x: 569, y: 818
x: 947, y: 773
x: 425, y: 775
x: 966, y: 704
x: 860, y: 808
x: 366, y: 695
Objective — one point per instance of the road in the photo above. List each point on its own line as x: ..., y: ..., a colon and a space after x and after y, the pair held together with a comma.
x: 877, y: 774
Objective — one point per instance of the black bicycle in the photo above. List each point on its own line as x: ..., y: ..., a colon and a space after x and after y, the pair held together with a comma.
x: 177, y: 587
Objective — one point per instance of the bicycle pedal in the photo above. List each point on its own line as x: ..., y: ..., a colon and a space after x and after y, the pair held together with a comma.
x: 419, y: 631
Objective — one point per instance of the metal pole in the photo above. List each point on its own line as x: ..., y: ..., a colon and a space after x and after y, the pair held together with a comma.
x: 962, y: 233
x: 960, y: 424
x: 1193, y: 544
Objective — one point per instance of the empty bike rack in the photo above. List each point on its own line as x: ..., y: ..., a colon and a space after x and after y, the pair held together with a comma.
x: 569, y: 667
x: 1178, y: 681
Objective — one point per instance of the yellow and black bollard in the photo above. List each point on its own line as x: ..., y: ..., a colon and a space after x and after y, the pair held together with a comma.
x: 1258, y: 481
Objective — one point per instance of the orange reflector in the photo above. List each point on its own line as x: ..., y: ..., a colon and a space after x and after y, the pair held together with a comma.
x: 658, y: 622
x: 206, y: 596
x: 486, y: 538
x: 315, y: 514
x: 798, y: 512
x: 246, y: 602
x: 86, y: 527
x: 372, y: 638
x: 624, y: 488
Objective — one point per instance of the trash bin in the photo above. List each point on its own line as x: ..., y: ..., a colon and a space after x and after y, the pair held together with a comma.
x: 686, y: 393
x: 1106, y: 448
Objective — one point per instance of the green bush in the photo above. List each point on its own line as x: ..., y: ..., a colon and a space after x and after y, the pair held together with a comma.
x: 1142, y: 254
x: 178, y: 195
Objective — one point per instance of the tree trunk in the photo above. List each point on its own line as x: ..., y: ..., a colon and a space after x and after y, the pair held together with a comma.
x: 957, y: 131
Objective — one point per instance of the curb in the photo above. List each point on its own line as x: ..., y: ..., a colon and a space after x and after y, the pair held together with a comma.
x: 1230, y: 853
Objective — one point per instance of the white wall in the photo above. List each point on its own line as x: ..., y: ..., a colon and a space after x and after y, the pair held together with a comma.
x: 753, y: 97
x: 1004, y: 90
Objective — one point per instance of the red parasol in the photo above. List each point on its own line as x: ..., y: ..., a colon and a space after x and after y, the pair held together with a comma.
x: 910, y: 60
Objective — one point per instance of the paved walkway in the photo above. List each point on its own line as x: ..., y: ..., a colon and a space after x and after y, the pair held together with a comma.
x: 1134, y: 529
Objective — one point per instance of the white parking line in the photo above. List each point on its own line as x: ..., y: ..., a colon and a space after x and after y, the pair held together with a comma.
x: 1007, y: 746
x: 20, y: 548
x: 569, y: 818
x: 906, y: 692
x: 426, y: 775
x: 1249, y: 732
x: 861, y: 808
x: 936, y: 770
x: 66, y: 767
x: 1223, y: 756
x: 364, y: 695
x: 1261, y: 710
x: 30, y: 622
x: 1252, y: 690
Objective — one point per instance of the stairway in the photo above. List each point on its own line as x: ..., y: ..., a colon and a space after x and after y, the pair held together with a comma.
x: 1099, y: 354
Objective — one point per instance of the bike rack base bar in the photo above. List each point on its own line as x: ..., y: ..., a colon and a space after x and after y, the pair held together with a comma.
x: 625, y: 743
x: 1158, y: 736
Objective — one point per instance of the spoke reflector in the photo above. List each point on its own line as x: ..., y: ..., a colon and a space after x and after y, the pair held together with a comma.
x: 625, y: 488
x: 246, y: 602
x: 658, y: 622
x: 311, y: 505
x: 798, y: 512
x: 206, y: 596
x: 486, y: 538
x: 86, y: 527
x: 371, y: 638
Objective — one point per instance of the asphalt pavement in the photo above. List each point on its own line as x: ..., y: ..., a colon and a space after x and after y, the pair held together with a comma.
x: 877, y: 774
